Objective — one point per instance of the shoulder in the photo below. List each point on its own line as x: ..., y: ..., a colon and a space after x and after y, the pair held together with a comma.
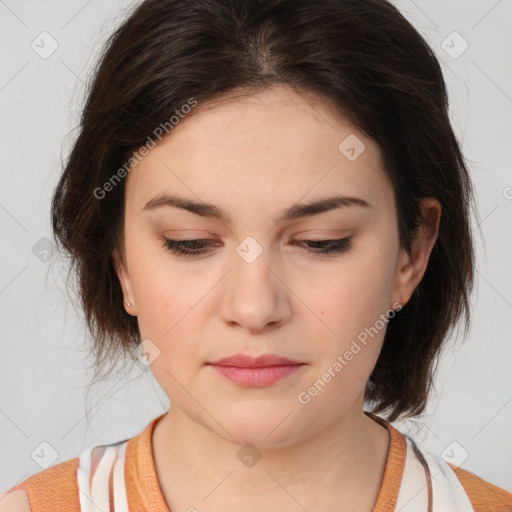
x: 57, y: 488
x: 483, y: 495
x: 14, y: 501
x: 54, y: 488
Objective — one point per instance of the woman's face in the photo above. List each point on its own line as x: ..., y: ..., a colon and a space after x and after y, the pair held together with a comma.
x: 258, y: 287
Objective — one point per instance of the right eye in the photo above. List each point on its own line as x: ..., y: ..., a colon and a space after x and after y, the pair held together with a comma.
x: 189, y: 248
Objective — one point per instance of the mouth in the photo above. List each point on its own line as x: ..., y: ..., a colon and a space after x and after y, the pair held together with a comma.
x: 263, y: 361
x: 256, y: 373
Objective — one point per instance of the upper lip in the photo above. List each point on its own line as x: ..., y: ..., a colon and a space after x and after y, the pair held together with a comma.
x: 245, y: 361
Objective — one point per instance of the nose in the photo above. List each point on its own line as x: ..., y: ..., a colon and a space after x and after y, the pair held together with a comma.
x: 255, y: 296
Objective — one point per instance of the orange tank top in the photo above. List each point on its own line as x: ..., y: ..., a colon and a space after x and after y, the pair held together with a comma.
x: 57, y: 488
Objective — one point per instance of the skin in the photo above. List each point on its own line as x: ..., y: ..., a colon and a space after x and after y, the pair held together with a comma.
x: 253, y: 157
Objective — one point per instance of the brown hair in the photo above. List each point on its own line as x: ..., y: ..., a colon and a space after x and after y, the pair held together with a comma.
x: 365, y: 58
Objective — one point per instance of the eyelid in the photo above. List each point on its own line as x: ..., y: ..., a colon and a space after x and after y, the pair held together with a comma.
x: 320, y: 235
x: 333, y: 247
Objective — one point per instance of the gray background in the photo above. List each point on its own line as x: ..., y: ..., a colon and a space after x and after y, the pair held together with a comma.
x: 44, y: 368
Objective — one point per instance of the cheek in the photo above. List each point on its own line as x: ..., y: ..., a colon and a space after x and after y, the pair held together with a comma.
x: 166, y: 315
x: 351, y: 296
x: 172, y: 301
x: 162, y: 293
x: 347, y: 345
x: 165, y: 305
x: 352, y: 306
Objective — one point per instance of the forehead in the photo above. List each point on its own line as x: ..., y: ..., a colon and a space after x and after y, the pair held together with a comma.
x: 271, y: 148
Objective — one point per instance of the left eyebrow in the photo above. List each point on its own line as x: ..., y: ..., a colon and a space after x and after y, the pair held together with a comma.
x: 294, y: 212
x: 322, y: 205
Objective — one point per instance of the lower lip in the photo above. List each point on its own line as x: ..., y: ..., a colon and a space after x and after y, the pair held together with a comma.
x: 257, y: 377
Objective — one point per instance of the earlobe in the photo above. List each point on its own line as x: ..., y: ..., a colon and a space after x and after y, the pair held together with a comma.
x: 124, y: 281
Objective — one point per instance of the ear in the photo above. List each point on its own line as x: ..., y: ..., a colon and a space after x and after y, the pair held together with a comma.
x: 126, y: 285
x: 411, y: 267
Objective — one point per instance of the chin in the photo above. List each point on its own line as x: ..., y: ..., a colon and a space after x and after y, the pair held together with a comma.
x: 262, y: 426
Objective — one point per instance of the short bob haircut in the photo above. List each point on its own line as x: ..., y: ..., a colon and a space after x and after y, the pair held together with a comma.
x: 365, y: 59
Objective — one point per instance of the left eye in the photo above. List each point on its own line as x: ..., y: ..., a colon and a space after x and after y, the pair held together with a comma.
x: 199, y: 246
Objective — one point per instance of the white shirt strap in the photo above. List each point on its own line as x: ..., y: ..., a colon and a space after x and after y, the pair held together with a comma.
x: 83, y: 474
x: 413, y: 493
x: 448, y: 494
x: 95, y: 496
x: 120, y: 498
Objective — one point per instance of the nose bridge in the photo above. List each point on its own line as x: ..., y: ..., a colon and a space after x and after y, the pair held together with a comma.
x: 252, y: 268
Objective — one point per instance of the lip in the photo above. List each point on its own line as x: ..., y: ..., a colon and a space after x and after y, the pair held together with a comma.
x: 245, y: 361
x: 259, y: 371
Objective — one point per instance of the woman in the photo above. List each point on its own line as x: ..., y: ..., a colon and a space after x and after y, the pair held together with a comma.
x: 268, y: 198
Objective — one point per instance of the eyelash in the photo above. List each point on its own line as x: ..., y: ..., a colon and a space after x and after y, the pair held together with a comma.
x: 337, y: 246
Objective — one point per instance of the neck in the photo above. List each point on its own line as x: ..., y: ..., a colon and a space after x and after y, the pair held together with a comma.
x: 342, y: 463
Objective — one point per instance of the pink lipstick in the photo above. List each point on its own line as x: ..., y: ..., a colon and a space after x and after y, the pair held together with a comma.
x: 256, y: 371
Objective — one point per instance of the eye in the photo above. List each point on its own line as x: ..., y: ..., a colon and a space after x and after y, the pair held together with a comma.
x: 199, y: 246
x: 187, y: 247
x: 337, y: 246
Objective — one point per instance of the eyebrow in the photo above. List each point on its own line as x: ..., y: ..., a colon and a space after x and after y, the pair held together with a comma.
x: 294, y: 212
